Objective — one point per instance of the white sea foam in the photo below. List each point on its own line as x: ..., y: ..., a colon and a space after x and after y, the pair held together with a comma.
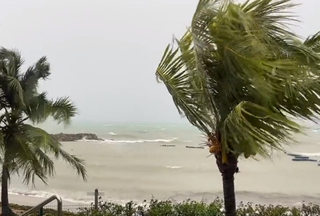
x: 315, y: 154
x: 141, y: 141
x: 173, y: 167
x: 86, y: 140
x: 45, y: 194
x: 80, y: 199
x: 112, y: 133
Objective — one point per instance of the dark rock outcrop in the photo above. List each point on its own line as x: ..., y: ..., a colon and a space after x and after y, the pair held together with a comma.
x: 63, y: 137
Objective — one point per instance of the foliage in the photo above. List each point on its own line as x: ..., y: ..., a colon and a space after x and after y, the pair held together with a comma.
x: 25, y: 149
x: 187, y: 208
x: 241, y: 71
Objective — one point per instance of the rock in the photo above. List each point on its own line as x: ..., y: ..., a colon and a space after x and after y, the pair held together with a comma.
x: 63, y: 137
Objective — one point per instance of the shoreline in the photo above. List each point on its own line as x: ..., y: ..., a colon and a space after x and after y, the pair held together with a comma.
x: 20, y: 204
x: 32, y: 201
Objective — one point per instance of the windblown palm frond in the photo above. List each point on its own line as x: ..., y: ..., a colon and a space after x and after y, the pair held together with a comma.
x: 44, y: 144
x: 10, y: 64
x: 313, y: 42
x: 35, y: 73
x: 240, y: 70
x: 39, y: 108
x: 178, y: 80
x: 26, y: 149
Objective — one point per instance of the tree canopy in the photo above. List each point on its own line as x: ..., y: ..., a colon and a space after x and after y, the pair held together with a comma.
x: 24, y: 148
x: 241, y: 70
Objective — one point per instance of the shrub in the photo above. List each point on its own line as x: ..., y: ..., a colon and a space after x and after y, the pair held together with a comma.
x: 192, y: 208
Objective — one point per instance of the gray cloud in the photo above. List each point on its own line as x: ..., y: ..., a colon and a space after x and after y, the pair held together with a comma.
x: 104, y: 52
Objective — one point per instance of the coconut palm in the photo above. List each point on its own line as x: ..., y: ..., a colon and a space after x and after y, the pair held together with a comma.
x: 243, y: 78
x: 25, y: 149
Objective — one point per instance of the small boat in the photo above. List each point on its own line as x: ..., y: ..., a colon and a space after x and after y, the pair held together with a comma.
x: 195, y: 147
x: 168, y: 145
x: 302, y: 157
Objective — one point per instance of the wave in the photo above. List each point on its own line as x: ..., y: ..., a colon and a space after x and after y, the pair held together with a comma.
x: 173, y: 167
x: 123, y: 135
x: 87, y: 140
x: 74, y: 200
x: 315, y: 154
x: 46, y: 194
x: 142, y: 141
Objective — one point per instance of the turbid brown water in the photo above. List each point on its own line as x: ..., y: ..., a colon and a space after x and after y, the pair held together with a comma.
x: 137, y: 168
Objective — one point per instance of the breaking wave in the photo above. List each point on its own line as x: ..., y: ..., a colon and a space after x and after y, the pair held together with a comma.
x: 141, y: 141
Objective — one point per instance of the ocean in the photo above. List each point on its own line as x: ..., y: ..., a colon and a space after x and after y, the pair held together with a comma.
x: 131, y: 164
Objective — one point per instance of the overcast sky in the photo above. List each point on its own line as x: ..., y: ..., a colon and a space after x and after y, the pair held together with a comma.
x: 104, y: 53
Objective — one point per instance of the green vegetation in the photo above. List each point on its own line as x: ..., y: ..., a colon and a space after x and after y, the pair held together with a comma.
x: 243, y: 78
x: 186, y: 208
x: 25, y: 149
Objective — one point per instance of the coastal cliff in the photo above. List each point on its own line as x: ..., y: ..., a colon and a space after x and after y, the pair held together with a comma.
x: 63, y: 137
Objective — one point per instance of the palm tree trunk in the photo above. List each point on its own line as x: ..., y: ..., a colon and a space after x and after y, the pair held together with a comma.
x: 228, y: 170
x: 5, y: 208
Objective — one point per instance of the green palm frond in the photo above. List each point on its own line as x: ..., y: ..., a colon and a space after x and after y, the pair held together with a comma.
x: 25, y: 149
x: 48, y: 144
x: 20, y: 157
x: 313, y: 42
x: 171, y: 71
x: 12, y: 61
x: 62, y: 110
x: 39, y: 108
x: 247, y: 72
x: 77, y: 163
x: 35, y: 73
x: 10, y: 64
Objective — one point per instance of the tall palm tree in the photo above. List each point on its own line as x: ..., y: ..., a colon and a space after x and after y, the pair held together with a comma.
x: 25, y: 149
x: 243, y: 78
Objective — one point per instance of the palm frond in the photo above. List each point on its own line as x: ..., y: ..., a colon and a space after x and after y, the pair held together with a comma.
x: 252, y: 70
x: 10, y: 64
x: 251, y: 129
x: 12, y: 61
x: 313, y: 42
x: 75, y: 162
x: 39, y: 108
x: 49, y: 144
x: 172, y: 73
x: 35, y: 73
x: 62, y: 110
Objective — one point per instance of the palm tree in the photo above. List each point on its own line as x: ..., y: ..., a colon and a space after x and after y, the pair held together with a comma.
x: 25, y: 149
x: 243, y: 78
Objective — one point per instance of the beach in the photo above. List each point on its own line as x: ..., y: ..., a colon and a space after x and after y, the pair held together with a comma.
x: 131, y: 164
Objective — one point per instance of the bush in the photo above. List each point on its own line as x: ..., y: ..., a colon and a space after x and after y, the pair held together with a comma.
x: 193, y: 208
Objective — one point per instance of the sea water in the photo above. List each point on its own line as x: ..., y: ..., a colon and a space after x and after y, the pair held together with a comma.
x: 131, y: 164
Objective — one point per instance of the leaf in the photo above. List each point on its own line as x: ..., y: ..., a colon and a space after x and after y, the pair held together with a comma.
x: 240, y: 70
x: 38, y: 163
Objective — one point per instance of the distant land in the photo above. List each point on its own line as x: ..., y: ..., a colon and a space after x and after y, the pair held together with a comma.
x: 64, y: 137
